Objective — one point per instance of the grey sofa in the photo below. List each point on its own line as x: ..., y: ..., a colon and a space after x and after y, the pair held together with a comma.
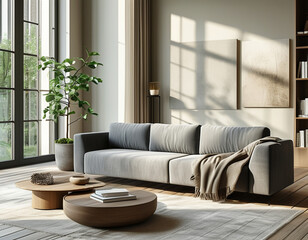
x: 164, y: 153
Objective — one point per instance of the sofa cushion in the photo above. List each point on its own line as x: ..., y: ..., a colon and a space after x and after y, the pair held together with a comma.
x: 175, y: 138
x: 218, y: 139
x: 128, y: 163
x: 180, y: 171
x: 129, y: 135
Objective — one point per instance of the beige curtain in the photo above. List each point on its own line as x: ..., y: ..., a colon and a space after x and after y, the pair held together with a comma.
x: 141, y: 59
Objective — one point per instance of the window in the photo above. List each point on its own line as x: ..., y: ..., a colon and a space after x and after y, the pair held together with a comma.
x: 6, y: 81
x: 24, y: 135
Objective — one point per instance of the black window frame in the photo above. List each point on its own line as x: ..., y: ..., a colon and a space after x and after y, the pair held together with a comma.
x: 18, y: 109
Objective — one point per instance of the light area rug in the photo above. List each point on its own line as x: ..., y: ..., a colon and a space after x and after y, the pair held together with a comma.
x: 177, y: 217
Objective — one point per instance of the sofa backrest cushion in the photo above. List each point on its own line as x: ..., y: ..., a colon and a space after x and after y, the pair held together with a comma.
x: 175, y: 138
x: 219, y: 139
x: 129, y: 135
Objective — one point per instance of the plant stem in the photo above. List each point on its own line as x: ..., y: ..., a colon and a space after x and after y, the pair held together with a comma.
x: 67, y: 120
x: 68, y: 108
x: 75, y: 120
x: 75, y: 74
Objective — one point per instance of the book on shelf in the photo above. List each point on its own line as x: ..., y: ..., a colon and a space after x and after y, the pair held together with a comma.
x: 112, y: 192
x: 302, y: 32
x: 303, y: 108
x: 299, y: 72
x: 100, y: 198
x: 306, y: 25
x: 301, y: 138
x: 302, y: 69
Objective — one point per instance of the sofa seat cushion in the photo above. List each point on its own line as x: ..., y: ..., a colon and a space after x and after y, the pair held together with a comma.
x: 180, y: 171
x: 218, y: 139
x: 129, y: 135
x: 128, y: 163
x: 179, y: 138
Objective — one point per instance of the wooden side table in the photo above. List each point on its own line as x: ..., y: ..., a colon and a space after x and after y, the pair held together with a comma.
x: 154, y: 108
x: 51, y: 196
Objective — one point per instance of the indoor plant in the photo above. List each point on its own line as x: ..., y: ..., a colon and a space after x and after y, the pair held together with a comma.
x: 64, y: 89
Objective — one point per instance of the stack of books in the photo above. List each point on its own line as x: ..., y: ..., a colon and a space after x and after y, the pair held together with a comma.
x: 304, y: 108
x: 302, y: 138
x: 112, y: 195
x: 302, y: 69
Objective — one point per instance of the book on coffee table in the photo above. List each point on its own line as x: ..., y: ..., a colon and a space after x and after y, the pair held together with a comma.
x: 112, y: 199
x: 112, y: 192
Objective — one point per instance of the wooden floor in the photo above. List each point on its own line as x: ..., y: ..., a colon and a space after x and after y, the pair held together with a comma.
x: 294, y: 196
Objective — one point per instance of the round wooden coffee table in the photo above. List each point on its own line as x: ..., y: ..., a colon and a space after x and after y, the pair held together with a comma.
x: 86, y: 211
x: 51, y: 196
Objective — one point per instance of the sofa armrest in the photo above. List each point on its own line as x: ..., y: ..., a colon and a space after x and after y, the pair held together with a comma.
x: 271, y: 167
x: 86, y: 142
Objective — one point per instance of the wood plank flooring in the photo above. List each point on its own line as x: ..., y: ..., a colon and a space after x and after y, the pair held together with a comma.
x: 294, y: 196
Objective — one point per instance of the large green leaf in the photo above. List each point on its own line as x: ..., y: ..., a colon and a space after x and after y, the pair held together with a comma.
x: 69, y: 61
x: 92, y: 64
x: 69, y: 69
x: 72, y: 112
x: 50, y: 97
x: 93, y: 54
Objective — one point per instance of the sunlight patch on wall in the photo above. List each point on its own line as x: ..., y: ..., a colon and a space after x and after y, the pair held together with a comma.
x: 182, y: 29
x: 218, y: 31
x: 205, y: 77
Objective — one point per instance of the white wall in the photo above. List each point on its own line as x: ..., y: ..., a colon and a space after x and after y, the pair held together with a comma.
x: 63, y: 48
x: 199, y: 20
x: 76, y: 50
x: 100, y: 34
x: 70, y: 46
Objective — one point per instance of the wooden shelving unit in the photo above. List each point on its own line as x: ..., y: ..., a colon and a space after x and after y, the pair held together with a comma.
x: 301, y: 84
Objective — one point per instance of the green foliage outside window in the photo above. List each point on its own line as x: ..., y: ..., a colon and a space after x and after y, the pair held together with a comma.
x: 5, y: 101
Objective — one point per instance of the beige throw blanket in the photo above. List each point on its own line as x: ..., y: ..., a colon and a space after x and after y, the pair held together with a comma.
x: 216, y: 175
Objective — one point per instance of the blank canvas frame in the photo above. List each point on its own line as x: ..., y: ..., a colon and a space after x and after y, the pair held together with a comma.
x: 266, y: 73
x: 203, y: 75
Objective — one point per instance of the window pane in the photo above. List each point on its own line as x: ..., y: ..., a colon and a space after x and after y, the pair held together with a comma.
x: 43, y: 105
x: 30, y: 38
x: 30, y: 105
x: 47, y: 29
x: 31, y: 10
x: 45, y: 76
x: 46, y: 136
x: 5, y: 69
x: 6, y: 105
x: 30, y: 72
x: 5, y: 141
x: 30, y: 139
x: 6, y: 24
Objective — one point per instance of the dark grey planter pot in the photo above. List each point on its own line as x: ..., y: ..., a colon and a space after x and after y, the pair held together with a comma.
x: 64, y: 156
